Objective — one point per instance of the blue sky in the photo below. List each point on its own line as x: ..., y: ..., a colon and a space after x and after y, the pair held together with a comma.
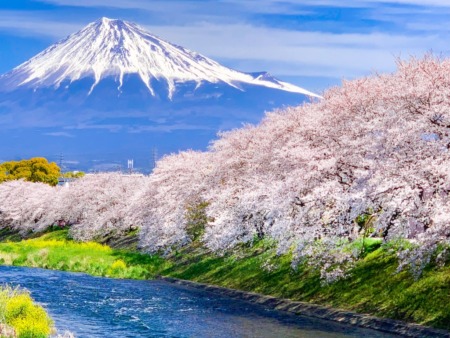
x: 311, y: 43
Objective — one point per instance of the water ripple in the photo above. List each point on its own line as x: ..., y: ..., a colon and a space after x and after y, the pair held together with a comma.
x: 100, y: 307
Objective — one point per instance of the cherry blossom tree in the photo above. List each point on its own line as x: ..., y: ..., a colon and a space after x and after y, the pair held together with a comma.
x: 101, y: 205
x: 176, y: 184
x: 374, y: 149
x: 376, y: 146
x: 25, y: 206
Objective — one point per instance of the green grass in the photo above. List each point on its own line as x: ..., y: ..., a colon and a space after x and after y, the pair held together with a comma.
x: 373, y: 286
x: 55, y: 251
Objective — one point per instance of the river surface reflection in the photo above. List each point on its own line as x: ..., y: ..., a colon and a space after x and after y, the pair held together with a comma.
x: 100, y: 307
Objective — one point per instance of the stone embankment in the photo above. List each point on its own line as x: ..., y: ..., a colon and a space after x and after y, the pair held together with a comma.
x: 311, y: 310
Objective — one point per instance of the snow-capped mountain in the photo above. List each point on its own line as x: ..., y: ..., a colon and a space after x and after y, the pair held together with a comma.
x: 115, y: 77
x: 116, y: 48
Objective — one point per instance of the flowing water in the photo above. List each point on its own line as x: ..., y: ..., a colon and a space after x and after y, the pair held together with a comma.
x: 101, y: 307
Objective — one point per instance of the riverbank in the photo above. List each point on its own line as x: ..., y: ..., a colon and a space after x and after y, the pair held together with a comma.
x: 373, y: 286
x: 396, y: 327
x: 55, y: 251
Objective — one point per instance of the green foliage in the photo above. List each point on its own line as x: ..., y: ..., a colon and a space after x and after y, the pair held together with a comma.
x: 118, y: 268
x: 18, y: 311
x: 370, y: 245
x: 36, y: 169
x: 362, y: 219
x: 196, y: 219
x: 73, y: 174
x: 366, y: 227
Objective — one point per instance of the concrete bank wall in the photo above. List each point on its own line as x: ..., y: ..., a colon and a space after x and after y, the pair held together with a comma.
x: 322, y: 312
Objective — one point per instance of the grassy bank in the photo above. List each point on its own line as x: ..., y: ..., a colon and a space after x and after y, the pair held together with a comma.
x: 55, y: 251
x: 373, y: 286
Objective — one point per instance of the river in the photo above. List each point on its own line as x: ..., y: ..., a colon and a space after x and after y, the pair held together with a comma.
x: 100, y: 307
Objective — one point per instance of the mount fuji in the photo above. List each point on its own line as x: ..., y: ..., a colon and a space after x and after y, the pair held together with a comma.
x: 113, y: 91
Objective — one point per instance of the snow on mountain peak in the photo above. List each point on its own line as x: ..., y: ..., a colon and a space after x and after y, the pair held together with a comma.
x: 112, y: 47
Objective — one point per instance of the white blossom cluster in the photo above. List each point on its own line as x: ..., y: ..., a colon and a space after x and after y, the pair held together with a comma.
x: 377, y: 146
x: 95, y: 206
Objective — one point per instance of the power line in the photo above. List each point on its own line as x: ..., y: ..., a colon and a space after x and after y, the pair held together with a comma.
x: 61, y: 160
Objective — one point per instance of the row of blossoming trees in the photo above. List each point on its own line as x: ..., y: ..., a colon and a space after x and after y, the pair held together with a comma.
x: 371, y: 159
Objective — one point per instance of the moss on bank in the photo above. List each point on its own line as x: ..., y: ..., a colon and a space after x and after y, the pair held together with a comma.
x: 373, y: 286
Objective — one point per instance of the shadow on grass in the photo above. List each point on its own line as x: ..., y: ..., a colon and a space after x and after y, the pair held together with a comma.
x: 135, y: 258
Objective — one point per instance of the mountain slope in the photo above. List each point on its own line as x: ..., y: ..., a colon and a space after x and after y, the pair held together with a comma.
x: 115, y: 48
x: 113, y: 81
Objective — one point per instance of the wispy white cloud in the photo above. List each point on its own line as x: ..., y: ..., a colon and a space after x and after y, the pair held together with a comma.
x: 59, y: 134
x: 113, y: 128
x: 258, y: 6
x: 164, y: 128
x: 225, y: 30
x: 167, y: 128
x: 427, y: 26
x: 341, y: 3
x: 194, y: 6
x: 131, y: 4
x: 35, y: 24
x: 299, y: 52
x: 247, y: 47
x: 350, y: 3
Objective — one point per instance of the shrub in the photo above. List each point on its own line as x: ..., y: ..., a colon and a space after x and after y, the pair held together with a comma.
x: 118, y: 265
x: 18, y: 311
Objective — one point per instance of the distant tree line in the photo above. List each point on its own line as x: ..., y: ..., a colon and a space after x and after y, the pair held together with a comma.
x: 36, y: 169
x: 73, y: 174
